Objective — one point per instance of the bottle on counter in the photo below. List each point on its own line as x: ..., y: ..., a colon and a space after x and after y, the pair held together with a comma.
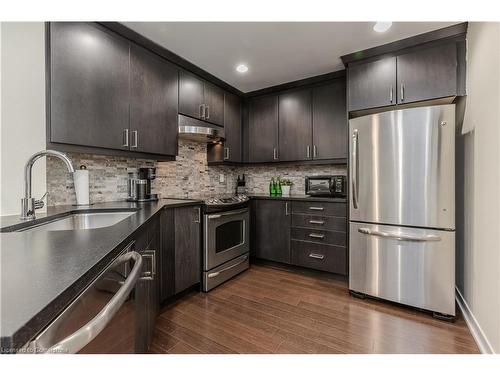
x: 272, y: 187
x: 278, y: 186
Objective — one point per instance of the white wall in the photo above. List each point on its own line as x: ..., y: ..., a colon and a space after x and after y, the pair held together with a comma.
x: 478, y: 255
x: 22, y: 110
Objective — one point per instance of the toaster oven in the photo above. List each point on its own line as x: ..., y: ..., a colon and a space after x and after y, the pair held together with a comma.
x: 326, y: 186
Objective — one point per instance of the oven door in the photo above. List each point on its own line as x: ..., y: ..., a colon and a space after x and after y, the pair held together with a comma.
x: 226, y: 237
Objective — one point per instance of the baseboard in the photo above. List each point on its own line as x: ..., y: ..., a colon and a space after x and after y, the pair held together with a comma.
x: 474, y: 327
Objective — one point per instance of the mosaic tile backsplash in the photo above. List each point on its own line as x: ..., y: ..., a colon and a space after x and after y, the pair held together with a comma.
x: 187, y: 177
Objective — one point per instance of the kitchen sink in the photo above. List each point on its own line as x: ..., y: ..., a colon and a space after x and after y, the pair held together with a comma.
x: 77, y: 221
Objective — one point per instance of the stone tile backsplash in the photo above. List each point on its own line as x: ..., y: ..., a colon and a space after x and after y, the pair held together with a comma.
x: 187, y: 177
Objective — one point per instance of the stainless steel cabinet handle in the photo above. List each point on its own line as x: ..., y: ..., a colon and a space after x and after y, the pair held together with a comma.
x: 391, y: 94
x: 198, y: 219
x: 275, y: 153
x: 226, y: 153
x: 286, y: 209
x: 207, y: 112
x: 317, y: 208
x: 316, y: 256
x: 202, y: 111
x: 125, y: 138
x: 319, y: 222
x: 315, y: 151
x: 308, y: 152
x: 80, y: 338
x: 149, y: 254
x: 399, y: 236
x: 316, y: 235
x: 215, y: 274
x: 135, y: 138
x: 402, y: 92
x: 354, y: 170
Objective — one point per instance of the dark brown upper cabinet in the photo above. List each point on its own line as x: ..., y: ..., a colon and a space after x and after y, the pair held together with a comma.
x: 200, y: 99
x: 412, y: 75
x: 372, y: 84
x: 153, y: 103
x: 232, y: 128
x: 427, y: 74
x: 295, y: 125
x: 329, y: 119
x: 263, y: 129
x: 89, y: 86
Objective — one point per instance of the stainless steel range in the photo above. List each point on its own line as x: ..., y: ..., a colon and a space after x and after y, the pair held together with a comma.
x: 225, y: 239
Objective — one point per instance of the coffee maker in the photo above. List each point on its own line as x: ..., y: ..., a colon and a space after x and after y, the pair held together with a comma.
x: 139, y: 185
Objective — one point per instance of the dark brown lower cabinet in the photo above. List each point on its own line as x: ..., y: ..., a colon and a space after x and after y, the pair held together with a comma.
x: 180, y: 258
x: 272, y: 230
x: 329, y: 258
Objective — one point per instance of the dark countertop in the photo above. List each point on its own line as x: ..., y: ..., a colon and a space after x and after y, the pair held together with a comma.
x: 298, y: 197
x: 43, y: 271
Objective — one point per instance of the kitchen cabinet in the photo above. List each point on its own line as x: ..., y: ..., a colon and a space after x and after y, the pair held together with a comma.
x: 263, y: 129
x: 413, y: 75
x: 180, y: 258
x: 271, y: 221
x: 295, y: 125
x: 187, y: 247
x: 200, y: 99
x: 89, y: 86
x: 427, y: 74
x: 232, y: 128
x: 153, y: 103
x: 329, y: 121
x: 372, y: 84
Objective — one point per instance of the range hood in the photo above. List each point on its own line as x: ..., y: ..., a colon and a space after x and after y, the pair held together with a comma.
x: 199, y: 131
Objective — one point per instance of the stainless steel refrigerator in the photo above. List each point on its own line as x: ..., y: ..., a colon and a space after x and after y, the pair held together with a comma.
x: 402, y: 207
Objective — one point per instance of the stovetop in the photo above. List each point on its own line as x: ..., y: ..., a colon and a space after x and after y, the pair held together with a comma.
x: 226, y: 200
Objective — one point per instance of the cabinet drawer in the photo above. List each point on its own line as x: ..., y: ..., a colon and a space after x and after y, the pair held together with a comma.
x: 320, y: 257
x: 320, y: 208
x: 320, y: 236
x: 320, y: 222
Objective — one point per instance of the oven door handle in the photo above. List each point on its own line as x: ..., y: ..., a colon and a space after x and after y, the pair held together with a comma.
x: 229, y: 213
x: 215, y: 274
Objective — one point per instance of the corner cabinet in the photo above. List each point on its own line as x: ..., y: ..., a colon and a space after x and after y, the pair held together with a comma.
x: 232, y: 128
x: 263, y: 129
x: 107, y: 93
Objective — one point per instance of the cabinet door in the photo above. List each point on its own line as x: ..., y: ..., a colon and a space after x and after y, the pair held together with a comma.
x: 263, y: 129
x: 232, y: 127
x: 153, y: 103
x: 372, y: 84
x: 272, y: 230
x: 167, y: 255
x: 187, y: 247
x: 427, y: 74
x: 330, y: 121
x: 295, y: 125
x: 89, y: 88
x: 190, y: 95
x: 214, y: 104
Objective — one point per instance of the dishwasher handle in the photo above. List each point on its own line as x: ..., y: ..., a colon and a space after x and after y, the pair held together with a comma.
x: 84, y: 335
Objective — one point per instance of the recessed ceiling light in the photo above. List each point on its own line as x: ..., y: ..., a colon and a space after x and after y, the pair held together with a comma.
x: 242, y: 68
x: 380, y: 27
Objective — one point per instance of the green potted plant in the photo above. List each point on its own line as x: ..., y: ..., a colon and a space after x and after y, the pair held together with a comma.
x: 286, y: 184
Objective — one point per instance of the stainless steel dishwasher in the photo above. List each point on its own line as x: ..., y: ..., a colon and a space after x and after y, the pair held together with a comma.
x: 103, y: 318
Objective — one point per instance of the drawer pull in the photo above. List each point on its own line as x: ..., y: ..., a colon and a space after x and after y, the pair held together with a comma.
x: 317, y: 208
x: 315, y: 235
x: 316, y: 256
x: 319, y: 222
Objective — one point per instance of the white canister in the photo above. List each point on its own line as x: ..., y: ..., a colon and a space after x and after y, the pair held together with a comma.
x: 81, y: 179
x: 285, y: 190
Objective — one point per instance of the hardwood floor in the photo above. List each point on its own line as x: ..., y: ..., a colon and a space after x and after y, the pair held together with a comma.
x: 273, y: 310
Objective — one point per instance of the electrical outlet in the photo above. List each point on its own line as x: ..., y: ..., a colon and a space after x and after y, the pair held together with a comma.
x: 222, y: 178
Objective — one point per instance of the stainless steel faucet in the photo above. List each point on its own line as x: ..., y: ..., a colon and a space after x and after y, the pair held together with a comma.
x: 29, y: 204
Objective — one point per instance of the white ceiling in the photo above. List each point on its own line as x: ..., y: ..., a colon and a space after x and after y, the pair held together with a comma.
x: 275, y: 52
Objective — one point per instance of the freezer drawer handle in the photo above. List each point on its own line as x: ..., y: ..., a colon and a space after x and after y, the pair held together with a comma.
x: 399, y: 236
x: 316, y: 256
x: 215, y: 274
x: 80, y: 338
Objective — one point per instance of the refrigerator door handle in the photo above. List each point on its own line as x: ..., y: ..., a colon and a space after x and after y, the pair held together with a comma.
x: 399, y: 236
x: 354, y: 175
